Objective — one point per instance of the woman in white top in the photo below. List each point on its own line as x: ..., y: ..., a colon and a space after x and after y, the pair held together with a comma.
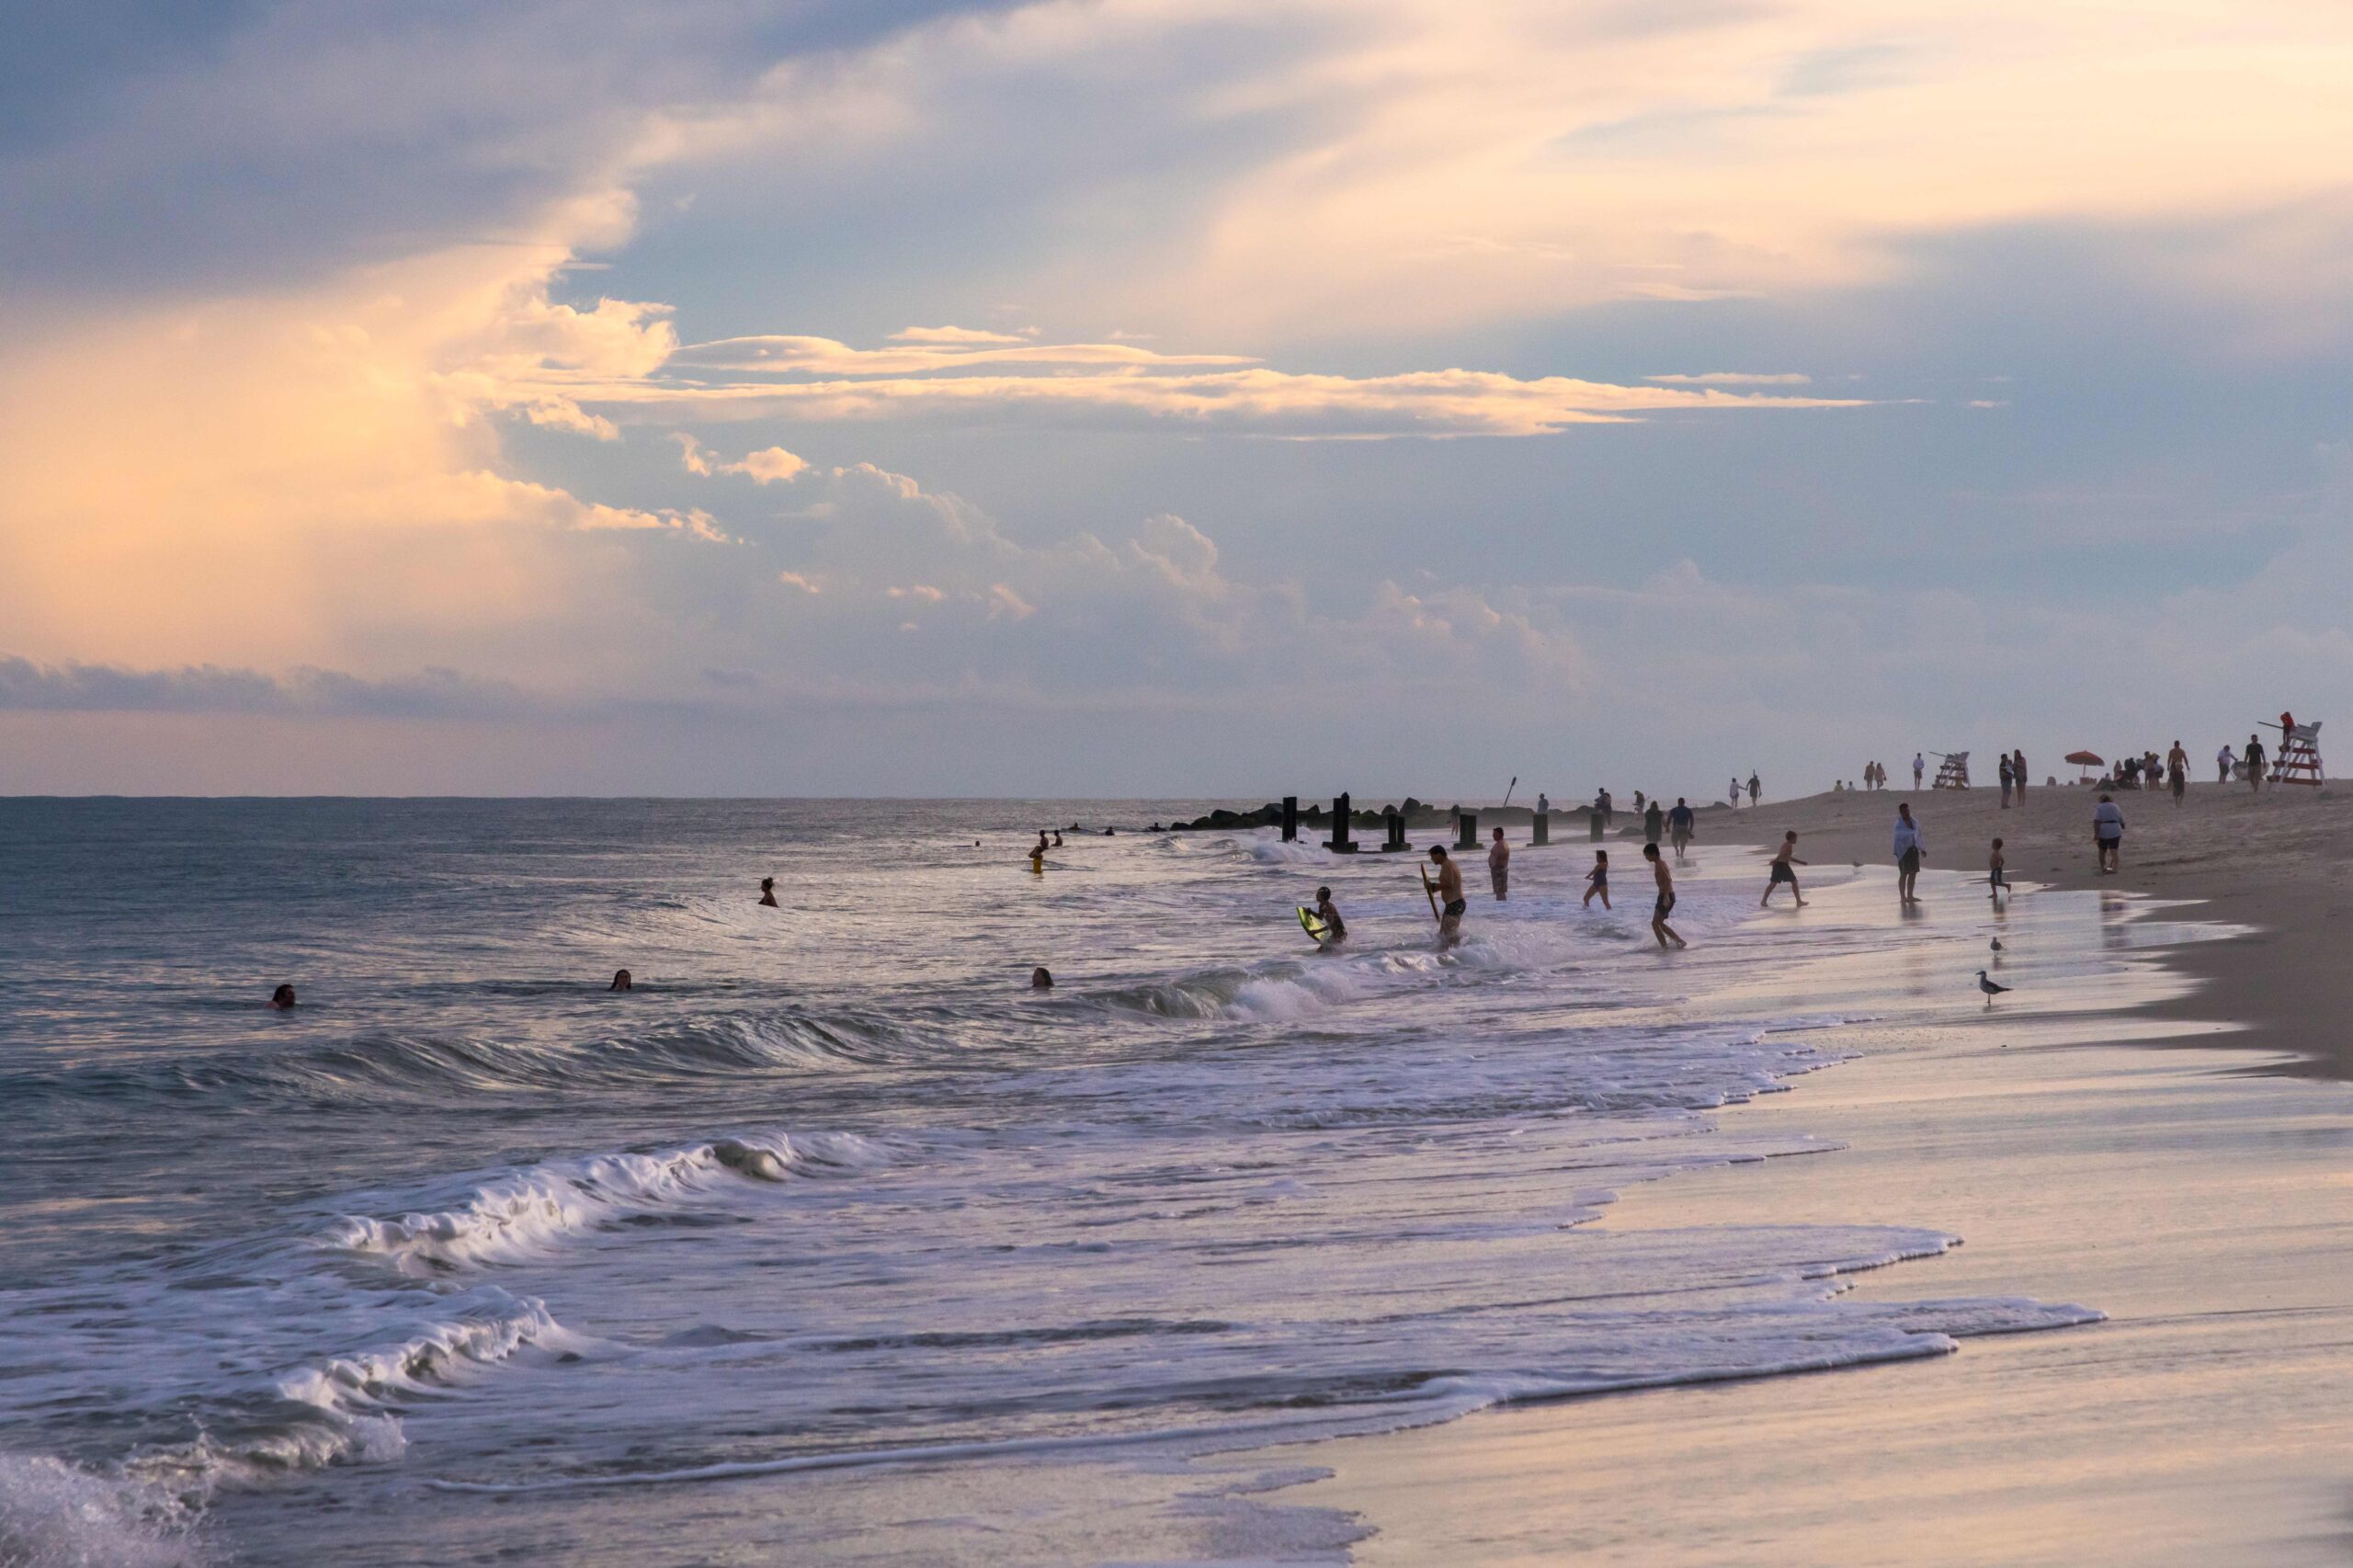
x: 1908, y: 850
x: 2107, y: 831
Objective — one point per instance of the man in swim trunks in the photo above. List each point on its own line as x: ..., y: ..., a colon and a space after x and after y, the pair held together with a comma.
x: 1783, y: 859
x: 1665, y: 904
x: 1449, y: 891
x: 1678, y: 825
x: 1499, y: 865
x: 2177, y: 772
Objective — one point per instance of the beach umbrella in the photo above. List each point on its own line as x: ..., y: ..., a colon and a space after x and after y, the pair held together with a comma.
x: 2086, y: 760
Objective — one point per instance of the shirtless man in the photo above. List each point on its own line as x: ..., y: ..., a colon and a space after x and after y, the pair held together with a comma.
x: 1450, y: 892
x: 1784, y: 858
x: 1499, y: 865
x: 1665, y: 904
x: 2178, y: 771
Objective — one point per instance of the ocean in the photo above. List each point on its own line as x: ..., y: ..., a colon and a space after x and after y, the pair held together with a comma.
x: 831, y: 1241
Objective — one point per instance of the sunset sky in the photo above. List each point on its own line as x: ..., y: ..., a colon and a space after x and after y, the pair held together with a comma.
x: 883, y: 397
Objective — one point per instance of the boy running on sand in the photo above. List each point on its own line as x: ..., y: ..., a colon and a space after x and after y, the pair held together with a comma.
x: 1783, y: 859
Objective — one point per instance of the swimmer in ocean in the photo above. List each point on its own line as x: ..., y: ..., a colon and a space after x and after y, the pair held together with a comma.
x: 620, y: 981
x: 1040, y: 979
x: 767, y: 892
x: 281, y: 998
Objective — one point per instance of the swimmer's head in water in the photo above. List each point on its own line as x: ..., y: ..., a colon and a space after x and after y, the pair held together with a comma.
x: 282, y: 997
x: 1040, y: 979
x: 767, y: 883
x: 620, y: 981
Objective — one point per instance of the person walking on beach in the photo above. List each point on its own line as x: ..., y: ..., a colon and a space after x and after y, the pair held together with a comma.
x: 2177, y: 773
x: 1908, y: 851
x: 2017, y: 774
x: 2107, y: 832
x: 1784, y: 858
x: 1678, y: 825
x: 2222, y: 761
x: 1665, y: 904
x: 1449, y: 889
x: 1596, y: 881
x: 1499, y: 864
x: 2006, y: 778
x: 1653, y: 822
x: 1996, y: 879
x: 1752, y: 789
x: 2255, y: 765
x: 1919, y: 767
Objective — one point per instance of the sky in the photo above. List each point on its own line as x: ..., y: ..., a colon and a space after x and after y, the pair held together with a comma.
x: 906, y: 397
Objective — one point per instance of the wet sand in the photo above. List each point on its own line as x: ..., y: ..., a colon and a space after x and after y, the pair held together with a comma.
x: 2206, y: 1211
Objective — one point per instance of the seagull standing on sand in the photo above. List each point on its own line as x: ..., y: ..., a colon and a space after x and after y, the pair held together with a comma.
x: 1991, y: 988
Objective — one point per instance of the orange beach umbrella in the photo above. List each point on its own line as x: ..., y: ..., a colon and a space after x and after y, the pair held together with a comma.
x: 2086, y: 760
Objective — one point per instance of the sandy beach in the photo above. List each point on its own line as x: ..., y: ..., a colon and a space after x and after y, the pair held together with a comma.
x: 2195, y: 1194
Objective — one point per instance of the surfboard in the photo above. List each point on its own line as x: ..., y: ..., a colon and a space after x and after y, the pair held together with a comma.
x: 1313, y: 926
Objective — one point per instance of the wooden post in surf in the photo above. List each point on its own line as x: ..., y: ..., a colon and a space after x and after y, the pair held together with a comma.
x: 1395, y: 821
x: 1290, y: 819
x: 1540, y: 829
x: 1341, y: 843
x: 1466, y: 830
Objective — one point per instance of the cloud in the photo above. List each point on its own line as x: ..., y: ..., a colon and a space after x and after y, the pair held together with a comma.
x: 1733, y: 379
x: 26, y: 685
x: 769, y: 465
x: 824, y: 356
x: 1157, y: 390
x: 952, y: 335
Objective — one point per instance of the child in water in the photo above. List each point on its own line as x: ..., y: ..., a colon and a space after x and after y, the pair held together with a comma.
x: 1597, y: 880
x: 1335, y: 929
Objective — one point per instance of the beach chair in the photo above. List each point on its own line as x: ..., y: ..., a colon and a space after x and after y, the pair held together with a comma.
x: 2298, y: 761
x: 1952, y: 770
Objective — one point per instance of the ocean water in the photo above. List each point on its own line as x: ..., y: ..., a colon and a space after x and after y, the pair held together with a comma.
x: 831, y: 1241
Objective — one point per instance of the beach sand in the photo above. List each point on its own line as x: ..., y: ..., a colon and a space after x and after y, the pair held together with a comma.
x: 2202, y: 1195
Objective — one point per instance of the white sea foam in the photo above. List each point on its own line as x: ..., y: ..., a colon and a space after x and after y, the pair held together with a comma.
x: 55, y: 1515
x: 527, y: 1212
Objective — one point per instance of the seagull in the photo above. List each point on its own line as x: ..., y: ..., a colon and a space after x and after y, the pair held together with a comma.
x: 1998, y: 944
x: 1991, y: 989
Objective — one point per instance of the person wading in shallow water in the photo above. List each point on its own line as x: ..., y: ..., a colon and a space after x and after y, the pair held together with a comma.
x: 1909, y: 850
x: 1499, y: 865
x: 1450, y: 892
x: 1783, y: 859
x: 1665, y: 904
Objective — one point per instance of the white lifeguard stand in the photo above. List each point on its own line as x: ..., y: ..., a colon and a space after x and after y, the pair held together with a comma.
x: 2298, y: 758
x: 1952, y: 770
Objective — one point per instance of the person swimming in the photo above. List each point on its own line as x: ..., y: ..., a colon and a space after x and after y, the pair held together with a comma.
x: 1041, y: 979
x: 767, y: 892
x: 620, y: 981
x: 282, y: 998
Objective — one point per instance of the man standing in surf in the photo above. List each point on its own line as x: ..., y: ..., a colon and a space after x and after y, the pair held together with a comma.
x: 1450, y: 888
x: 1665, y: 904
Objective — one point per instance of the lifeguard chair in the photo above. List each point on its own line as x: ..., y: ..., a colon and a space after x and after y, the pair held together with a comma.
x: 2298, y: 758
x: 1952, y: 770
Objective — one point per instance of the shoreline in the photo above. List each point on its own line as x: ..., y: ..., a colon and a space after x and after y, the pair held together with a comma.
x: 2192, y: 1196
x: 2275, y: 863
